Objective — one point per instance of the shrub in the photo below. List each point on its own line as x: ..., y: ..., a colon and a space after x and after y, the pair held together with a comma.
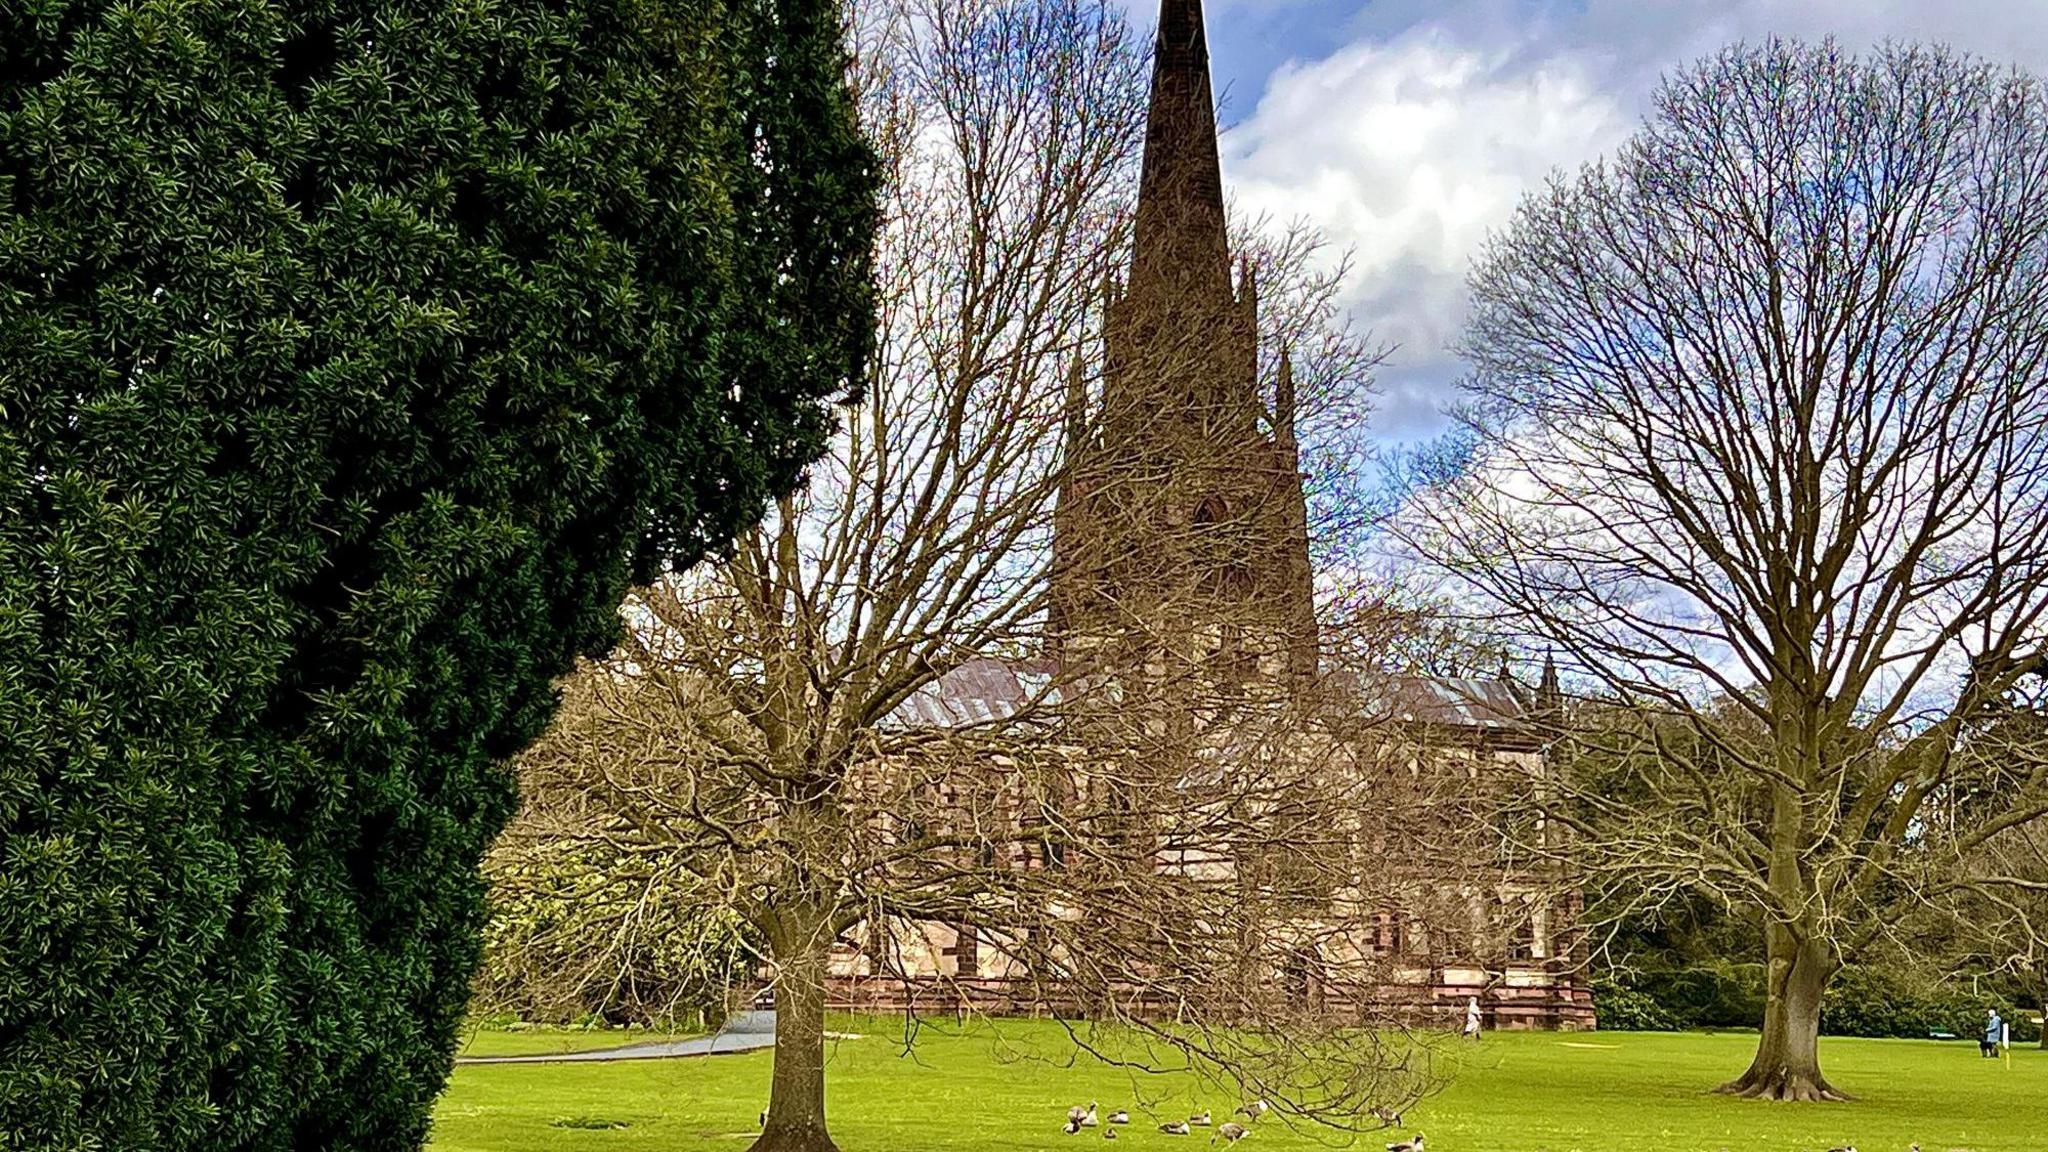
x: 1873, y: 1000
x: 1625, y: 1009
x: 1863, y: 1000
x: 354, y: 357
x: 579, y: 933
x: 1706, y: 996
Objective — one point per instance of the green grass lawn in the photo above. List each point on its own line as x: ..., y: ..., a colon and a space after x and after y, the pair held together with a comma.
x: 1008, y: 1088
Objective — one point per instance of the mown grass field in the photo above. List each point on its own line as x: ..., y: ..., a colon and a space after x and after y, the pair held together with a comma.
x: 1006, y: 1088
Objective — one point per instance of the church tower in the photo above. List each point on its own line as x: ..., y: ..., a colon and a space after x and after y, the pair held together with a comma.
x: 1182, y: 526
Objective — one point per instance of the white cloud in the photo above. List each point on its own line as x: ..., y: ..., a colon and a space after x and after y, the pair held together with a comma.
x: 1411, y: 143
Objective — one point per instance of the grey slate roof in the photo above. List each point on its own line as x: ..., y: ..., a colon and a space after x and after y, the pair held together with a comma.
x: 1454, y: 703
x: 976, y: 692
x: 984, y: 690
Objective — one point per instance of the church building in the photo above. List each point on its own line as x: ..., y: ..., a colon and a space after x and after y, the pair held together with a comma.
x: 1181, y: 541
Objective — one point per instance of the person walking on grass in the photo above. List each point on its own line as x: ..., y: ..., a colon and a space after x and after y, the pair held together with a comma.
x: 1994, y: 1031
x: 1472, y: 1018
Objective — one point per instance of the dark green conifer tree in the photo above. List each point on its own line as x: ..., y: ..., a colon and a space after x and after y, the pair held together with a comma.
x: 354, y: 356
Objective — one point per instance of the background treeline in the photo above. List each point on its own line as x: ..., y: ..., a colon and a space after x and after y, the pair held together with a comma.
x: 1670, y: 973
x: 1866, y: 1000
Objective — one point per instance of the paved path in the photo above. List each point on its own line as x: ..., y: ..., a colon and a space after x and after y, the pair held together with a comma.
x: 745, y: 1032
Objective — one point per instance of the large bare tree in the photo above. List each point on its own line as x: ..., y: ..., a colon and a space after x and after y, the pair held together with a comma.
x: 1758, y: 448
x: 847, y: 734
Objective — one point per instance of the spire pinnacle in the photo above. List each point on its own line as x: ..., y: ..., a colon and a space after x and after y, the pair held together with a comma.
x: 1180, y: 226
x: 1076, y: 412
x: 1283, y: 401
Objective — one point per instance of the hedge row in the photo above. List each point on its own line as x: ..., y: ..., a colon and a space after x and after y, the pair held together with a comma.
x: 1862, y: 1001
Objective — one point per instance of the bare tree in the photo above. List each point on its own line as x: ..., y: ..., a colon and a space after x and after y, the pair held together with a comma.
x: 848, y: 733
x: 1758, y: 448
x: 1008, y: 128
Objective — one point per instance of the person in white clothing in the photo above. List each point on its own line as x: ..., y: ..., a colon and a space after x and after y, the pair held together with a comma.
x: 1472, y: 1018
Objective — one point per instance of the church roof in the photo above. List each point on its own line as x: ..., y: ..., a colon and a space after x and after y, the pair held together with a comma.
x: 1451, y: 702
x: 979, y: 691
x: 986, y: 690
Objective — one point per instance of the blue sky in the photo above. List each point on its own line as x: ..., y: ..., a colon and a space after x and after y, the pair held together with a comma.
x: 1408, y: 129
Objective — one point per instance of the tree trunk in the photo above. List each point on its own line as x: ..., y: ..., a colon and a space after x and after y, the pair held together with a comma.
x: 796, y: 1095
x: 1787, y: 1064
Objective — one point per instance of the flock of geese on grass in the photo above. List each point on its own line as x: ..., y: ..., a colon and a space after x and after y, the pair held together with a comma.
x: 1230, y: 1131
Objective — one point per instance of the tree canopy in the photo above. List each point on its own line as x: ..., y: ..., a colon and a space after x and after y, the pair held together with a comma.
x: 354, y: 358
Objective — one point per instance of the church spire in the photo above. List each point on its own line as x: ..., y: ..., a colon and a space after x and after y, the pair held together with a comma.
x: 1182, y: 442
x: 1180, y: 228
x: 1283, y: 409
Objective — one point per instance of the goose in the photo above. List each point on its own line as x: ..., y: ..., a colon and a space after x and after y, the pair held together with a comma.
x: 1175, y: 1128
x: 1253, y: 1109
x: 1078, y: 1115
x: 1388, y: 1116
x: 1200, y: 1119
x: 1414, y: 1145
x: 1089, y: 1120
x: 1109, y: 1133
x: 1071, y: 1126
x: 1844, y: 1148
x: 1230, y: 1130
x: 1119, y: 1117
